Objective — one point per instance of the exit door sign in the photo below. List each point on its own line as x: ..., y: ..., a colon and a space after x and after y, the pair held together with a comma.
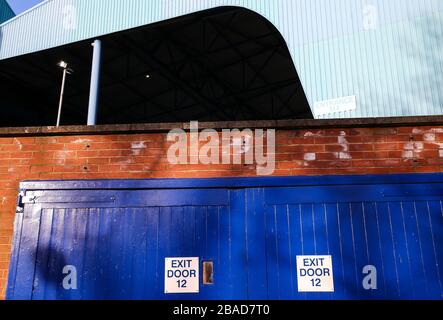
x: 182, y: 275
x: 315, y: 274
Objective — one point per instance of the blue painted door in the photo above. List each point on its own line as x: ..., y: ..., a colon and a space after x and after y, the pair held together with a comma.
x: 118, y: 241
x: 396, y: 228
x: 118, y: 233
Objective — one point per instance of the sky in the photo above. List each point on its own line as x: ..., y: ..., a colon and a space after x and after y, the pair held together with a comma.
x: 21, y: 5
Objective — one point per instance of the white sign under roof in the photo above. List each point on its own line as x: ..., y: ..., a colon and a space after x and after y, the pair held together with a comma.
x: 327, y: 107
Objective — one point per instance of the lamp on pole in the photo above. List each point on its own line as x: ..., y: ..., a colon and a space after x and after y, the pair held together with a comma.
x: 66, y: 71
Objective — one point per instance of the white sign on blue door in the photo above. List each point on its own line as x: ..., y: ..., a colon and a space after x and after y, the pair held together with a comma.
x: 315, y: 274
x: 182, y: 275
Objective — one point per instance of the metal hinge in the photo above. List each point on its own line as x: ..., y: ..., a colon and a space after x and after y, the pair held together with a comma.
x: 29, y: 199
x: 20, y: 205
x: 23, y: 199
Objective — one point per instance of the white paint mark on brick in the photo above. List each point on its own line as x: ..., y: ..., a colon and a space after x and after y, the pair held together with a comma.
x: 429, y: 137
x: 414, y: 146
x: 343, y: 142
x: 417, y: 131
x: 125, y: 162
x: 61, y: 154
x: 312, y: 134
x: 137, y: 148
x: 79, y: 141
x: 413, y: 150
x: 409, y: 146
x: 310, y: 157
x: 408, y: 154
x: 17, y: 142
x: 343, y: 155
x: 138, y: 145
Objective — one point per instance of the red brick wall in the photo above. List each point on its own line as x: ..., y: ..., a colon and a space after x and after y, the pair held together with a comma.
x: 298, y: 152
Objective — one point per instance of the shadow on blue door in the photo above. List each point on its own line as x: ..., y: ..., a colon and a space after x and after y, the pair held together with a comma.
x: 253, y: 239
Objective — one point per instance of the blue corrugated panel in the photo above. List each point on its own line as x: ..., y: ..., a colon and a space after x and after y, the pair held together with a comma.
x: 118, y: 238
x: 385, y: 53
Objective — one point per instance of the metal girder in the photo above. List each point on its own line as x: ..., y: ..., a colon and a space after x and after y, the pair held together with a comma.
x: 108, y: 74
x: 271, y: 30
x: 213, y: 107
x: 203, y: 65
x: 253, y: 68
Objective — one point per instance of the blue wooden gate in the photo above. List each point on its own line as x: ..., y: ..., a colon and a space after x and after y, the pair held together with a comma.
x: 117, y: 235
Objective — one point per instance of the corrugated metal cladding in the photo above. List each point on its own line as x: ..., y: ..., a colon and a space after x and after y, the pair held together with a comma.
x: 386, y: 53
x: 6, y: 12
x: 117, y: 235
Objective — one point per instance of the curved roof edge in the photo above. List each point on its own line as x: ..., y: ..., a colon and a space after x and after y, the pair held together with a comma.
x: 55, y: 23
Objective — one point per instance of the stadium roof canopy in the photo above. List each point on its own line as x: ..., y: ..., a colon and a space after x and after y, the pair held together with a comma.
x: 219, y: 64
x: 226, y: 63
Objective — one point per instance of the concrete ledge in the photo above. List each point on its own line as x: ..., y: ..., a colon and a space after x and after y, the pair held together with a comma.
x: 165, y: 127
